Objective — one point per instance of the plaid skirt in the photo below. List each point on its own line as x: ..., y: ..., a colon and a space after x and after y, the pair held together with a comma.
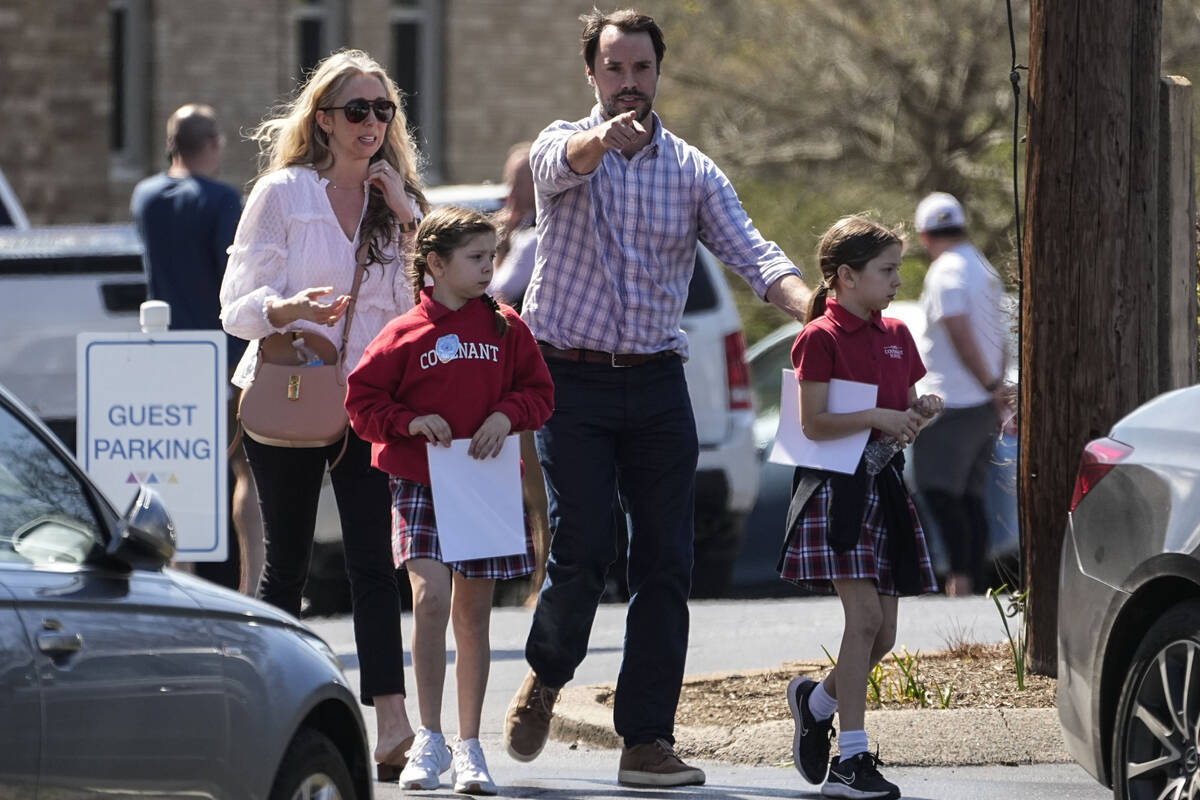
x: 414, y: 535
x: 809, y: 562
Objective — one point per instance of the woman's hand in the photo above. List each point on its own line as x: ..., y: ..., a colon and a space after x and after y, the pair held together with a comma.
x: 432, y: 427
x: 489, y: 439
x: 391, y: 183
x: 900, y: 425
x: 306, y: 305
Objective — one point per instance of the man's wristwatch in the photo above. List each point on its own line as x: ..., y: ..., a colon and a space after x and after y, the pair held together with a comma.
x: 993, y: 386
x: 408, y: 227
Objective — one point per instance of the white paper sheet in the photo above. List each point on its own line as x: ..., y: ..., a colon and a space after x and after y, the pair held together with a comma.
x: 477, y: 503
x: 837, y: 455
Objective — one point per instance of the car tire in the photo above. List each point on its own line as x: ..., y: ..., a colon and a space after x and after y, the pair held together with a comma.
x: 313, y: 768
x: 1151, y: 747
x: 718, y: 541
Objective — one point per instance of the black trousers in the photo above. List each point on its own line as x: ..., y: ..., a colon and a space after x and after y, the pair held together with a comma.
x: 289, y: 485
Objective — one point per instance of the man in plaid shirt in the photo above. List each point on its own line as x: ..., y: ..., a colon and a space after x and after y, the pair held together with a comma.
x: 621, y: 204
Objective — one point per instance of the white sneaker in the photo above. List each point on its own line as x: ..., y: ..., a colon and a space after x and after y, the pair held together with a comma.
x: 428, y: 758
x: 470, y: 770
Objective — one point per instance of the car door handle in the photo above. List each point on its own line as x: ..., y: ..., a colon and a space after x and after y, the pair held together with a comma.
x: 59, y: 644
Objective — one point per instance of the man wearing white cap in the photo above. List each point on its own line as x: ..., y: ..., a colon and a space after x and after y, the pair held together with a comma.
x: 963, y: 348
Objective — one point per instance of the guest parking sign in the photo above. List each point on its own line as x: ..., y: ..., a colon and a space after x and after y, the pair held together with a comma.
x: 152, y: 412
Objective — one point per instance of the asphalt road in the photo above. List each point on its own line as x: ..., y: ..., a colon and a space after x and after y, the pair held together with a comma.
x: 725, y: 635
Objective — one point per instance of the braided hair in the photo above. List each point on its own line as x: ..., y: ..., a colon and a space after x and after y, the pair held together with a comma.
x: 443, y: 231
x: 852, y: 241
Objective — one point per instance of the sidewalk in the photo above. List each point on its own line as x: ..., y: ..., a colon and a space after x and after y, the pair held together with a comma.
x: 751, y: 635
x: 768, y: 633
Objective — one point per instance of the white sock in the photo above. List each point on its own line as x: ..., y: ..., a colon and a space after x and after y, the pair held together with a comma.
x: 820, y: 704
x: 851, y: 743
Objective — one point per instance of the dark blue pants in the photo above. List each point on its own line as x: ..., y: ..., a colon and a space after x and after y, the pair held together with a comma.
x: 629, y: 429
x: 289, y: 485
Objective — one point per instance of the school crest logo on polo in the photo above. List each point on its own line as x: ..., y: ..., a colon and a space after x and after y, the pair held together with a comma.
x: 446, y: 347
x: 894, y: 351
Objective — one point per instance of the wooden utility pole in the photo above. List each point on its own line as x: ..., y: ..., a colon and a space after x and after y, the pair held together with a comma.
x: 1088, y: 325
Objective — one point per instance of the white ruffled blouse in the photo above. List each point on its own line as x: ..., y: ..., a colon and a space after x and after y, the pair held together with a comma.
x: 289, y: 239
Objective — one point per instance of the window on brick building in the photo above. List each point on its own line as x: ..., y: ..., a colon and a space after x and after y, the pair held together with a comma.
x: 415, y: 66
x: 320, y: 27
x: 129, y: 80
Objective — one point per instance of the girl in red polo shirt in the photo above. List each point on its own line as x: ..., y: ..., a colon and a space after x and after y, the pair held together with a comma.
x: 457, y: 365
x: 857, y: 535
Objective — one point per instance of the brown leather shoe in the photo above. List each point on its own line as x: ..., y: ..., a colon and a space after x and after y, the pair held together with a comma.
x: 527, y: 723
x: 655, y: 764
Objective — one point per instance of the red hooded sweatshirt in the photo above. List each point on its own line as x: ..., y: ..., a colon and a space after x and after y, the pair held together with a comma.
x: 432, y: 360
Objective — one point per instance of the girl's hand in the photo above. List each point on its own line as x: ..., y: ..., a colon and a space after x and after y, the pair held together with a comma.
x: 900, y: 425
x: 929, y: 405
x: 391, y: 183
x: 432, y: 427
x: 489, y: 439
x: 306, y: 305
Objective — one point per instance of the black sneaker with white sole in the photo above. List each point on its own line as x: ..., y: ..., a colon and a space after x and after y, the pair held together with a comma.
x: 811, y: 741
x: 858, y: 777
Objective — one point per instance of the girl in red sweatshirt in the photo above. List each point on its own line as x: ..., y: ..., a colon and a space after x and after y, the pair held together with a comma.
x: 459, y: 365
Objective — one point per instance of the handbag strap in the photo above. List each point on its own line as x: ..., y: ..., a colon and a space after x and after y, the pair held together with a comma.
x: 358, y: 276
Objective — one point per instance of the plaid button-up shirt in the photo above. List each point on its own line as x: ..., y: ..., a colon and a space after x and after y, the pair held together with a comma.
x: 617, y: 247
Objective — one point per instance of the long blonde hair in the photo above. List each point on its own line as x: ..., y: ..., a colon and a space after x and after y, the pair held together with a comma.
x: 291, y: 137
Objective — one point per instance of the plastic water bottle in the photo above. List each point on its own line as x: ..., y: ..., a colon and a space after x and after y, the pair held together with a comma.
x: 879, y: 452
x: 308, y: 356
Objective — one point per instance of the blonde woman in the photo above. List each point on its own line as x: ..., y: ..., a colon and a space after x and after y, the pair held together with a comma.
x: 338, y: 192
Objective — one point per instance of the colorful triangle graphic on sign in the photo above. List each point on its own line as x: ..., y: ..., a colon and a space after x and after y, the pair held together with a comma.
x: 152, y: 479
x: 131, y: 479
x: 173, y: 479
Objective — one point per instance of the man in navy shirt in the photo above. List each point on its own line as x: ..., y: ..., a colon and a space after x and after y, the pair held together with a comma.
x: 186, y: 221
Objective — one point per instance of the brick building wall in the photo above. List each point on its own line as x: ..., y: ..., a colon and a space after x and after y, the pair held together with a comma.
x: 55, y: 104
x: 508, y: 69
x: 523, y: 72
x: 235, y: 56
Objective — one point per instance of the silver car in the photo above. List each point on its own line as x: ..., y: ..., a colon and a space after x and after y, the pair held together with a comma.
x: 121, y: 678
x: 1129, y: 604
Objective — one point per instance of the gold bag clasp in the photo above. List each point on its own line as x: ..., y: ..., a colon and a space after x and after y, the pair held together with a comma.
x: 294, y: 387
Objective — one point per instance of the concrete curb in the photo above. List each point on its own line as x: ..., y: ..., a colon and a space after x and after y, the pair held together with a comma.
x: 924, y: 737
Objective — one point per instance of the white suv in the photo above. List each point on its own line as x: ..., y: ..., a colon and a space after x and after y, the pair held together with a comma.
x: 63, y: 280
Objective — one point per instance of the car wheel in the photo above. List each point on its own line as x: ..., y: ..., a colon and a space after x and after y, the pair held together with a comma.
x: 718, y: 542
x: 1154, y: 751
x: 312, y: 769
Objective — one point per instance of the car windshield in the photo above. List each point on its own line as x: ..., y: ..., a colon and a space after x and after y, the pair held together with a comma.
x: 45, y: 516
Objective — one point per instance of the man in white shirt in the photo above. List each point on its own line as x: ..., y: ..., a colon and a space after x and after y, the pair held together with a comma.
x: 963, y: 348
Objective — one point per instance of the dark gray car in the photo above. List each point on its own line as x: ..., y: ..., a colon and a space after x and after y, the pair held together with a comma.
x: 121, y: 678
x: 1129, y: 604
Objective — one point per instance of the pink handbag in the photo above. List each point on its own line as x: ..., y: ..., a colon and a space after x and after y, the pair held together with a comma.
x: 291, y: 404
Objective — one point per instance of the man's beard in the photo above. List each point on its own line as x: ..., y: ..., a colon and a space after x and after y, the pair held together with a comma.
x: 613, y: 109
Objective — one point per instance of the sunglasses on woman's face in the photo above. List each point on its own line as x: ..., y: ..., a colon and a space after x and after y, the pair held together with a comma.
x: 356, y: 110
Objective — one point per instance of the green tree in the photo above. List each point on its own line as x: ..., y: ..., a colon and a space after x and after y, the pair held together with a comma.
x: 818, y: 109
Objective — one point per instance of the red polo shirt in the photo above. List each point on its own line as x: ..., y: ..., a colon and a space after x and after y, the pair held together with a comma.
x: 879, y: 351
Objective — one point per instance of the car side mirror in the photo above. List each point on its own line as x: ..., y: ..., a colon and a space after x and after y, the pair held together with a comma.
x: 146, y: 537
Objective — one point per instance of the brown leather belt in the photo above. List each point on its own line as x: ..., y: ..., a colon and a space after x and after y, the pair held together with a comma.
x: 600, y: 357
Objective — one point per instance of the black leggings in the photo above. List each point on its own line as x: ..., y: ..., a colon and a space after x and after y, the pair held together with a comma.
x: 289, y: 485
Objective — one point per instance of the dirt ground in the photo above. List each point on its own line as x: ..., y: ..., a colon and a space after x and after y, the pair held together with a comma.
x: 971, y: 676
